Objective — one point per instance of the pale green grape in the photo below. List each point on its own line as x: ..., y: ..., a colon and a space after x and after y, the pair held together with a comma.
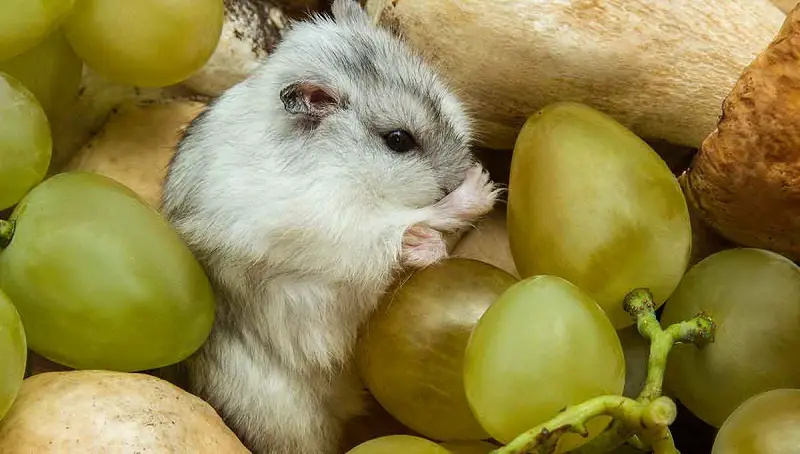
x: 469, y: 447
x: 145, y: 42
x: 101, y: 280
x: 396, y: 444
x: 753, y: 296
x: 51, y: 71
x: 543, y: 344
x: 25, y: 141
x: 591, y: 202
x: 25, y: 23
x: 768, y: 423
x: 411, y: 353
x: 13, y: 354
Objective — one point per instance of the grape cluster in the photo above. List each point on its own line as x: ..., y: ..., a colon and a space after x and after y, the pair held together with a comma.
x: 595, y: 219
x: 91, y: 277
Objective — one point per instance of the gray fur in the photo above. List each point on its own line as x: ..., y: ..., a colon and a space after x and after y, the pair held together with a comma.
x: 300, y: 220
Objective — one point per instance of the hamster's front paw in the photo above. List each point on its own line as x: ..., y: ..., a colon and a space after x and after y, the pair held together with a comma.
x: 473, y: 198
x: 422, y: 246
x: 476, y: 195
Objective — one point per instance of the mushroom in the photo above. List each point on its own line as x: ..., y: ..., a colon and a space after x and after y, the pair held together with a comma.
x: 744, y: 182
x: 660, y: 68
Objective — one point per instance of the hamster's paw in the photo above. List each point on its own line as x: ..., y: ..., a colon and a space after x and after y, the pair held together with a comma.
x: 477, y: 195
x: 472, y: 199
x: 422, y: 246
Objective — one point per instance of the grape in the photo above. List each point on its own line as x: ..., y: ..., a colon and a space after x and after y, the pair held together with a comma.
x: 51, y: 71
x: 411, y: 354
x: 753, y: 296
x: 591, y: 202
x: 145, y: 42
x: 101, y: 280
x: 469, y: 447
x: 543, y: 344
x: 25, y: 141
x: 25, y: 23
x: 394, y: 444
x: 13, y: 354
x: 768, y: 423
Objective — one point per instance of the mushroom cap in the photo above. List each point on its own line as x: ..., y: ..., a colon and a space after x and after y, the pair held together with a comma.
x: 745, y: 180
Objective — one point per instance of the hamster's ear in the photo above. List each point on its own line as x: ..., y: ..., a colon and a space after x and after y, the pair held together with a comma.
x: 309, y: 99
x: 348, y: 11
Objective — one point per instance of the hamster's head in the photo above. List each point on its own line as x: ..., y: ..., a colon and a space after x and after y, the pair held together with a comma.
x: 368, y: 107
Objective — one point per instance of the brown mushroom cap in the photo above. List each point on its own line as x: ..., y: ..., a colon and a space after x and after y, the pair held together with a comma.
x: 745, y: 180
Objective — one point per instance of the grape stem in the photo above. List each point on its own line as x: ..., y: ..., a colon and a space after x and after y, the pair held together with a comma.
x: 698, y: 331
x: 6, y: 232
x: 652, y: 418
x: 643, y: 422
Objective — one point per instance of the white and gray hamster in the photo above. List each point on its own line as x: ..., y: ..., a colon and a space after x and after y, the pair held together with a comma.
x: 302, y: 191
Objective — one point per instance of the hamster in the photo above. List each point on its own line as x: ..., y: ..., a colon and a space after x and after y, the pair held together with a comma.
x: 302, y: 191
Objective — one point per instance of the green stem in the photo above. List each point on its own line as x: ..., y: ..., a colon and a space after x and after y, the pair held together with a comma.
x: 698, y: 330
x: 6, y: 232
x: 652, y: 417
x: 639, y: 304
x: 663, y: 443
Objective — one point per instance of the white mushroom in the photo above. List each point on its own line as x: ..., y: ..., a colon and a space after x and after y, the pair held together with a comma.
x: 662, y: 68
x: 97, y: 100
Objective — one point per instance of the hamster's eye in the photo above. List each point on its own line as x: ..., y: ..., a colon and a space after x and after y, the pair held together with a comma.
x: 399, y: 141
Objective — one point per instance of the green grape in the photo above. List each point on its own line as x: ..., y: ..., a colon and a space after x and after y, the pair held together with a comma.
x: 25, y: 23
x: 543, y: 344
x: 469, y: 447
x: 753, y: 296
x: 101, y: 280
x: 396, y: 444
x: 767, y: 423
x: 25, y: 141
x: 411, y: 354
x: 13, y: 354
x: 591, y: 202
x: 145, y: 42
x: 51, y: 71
